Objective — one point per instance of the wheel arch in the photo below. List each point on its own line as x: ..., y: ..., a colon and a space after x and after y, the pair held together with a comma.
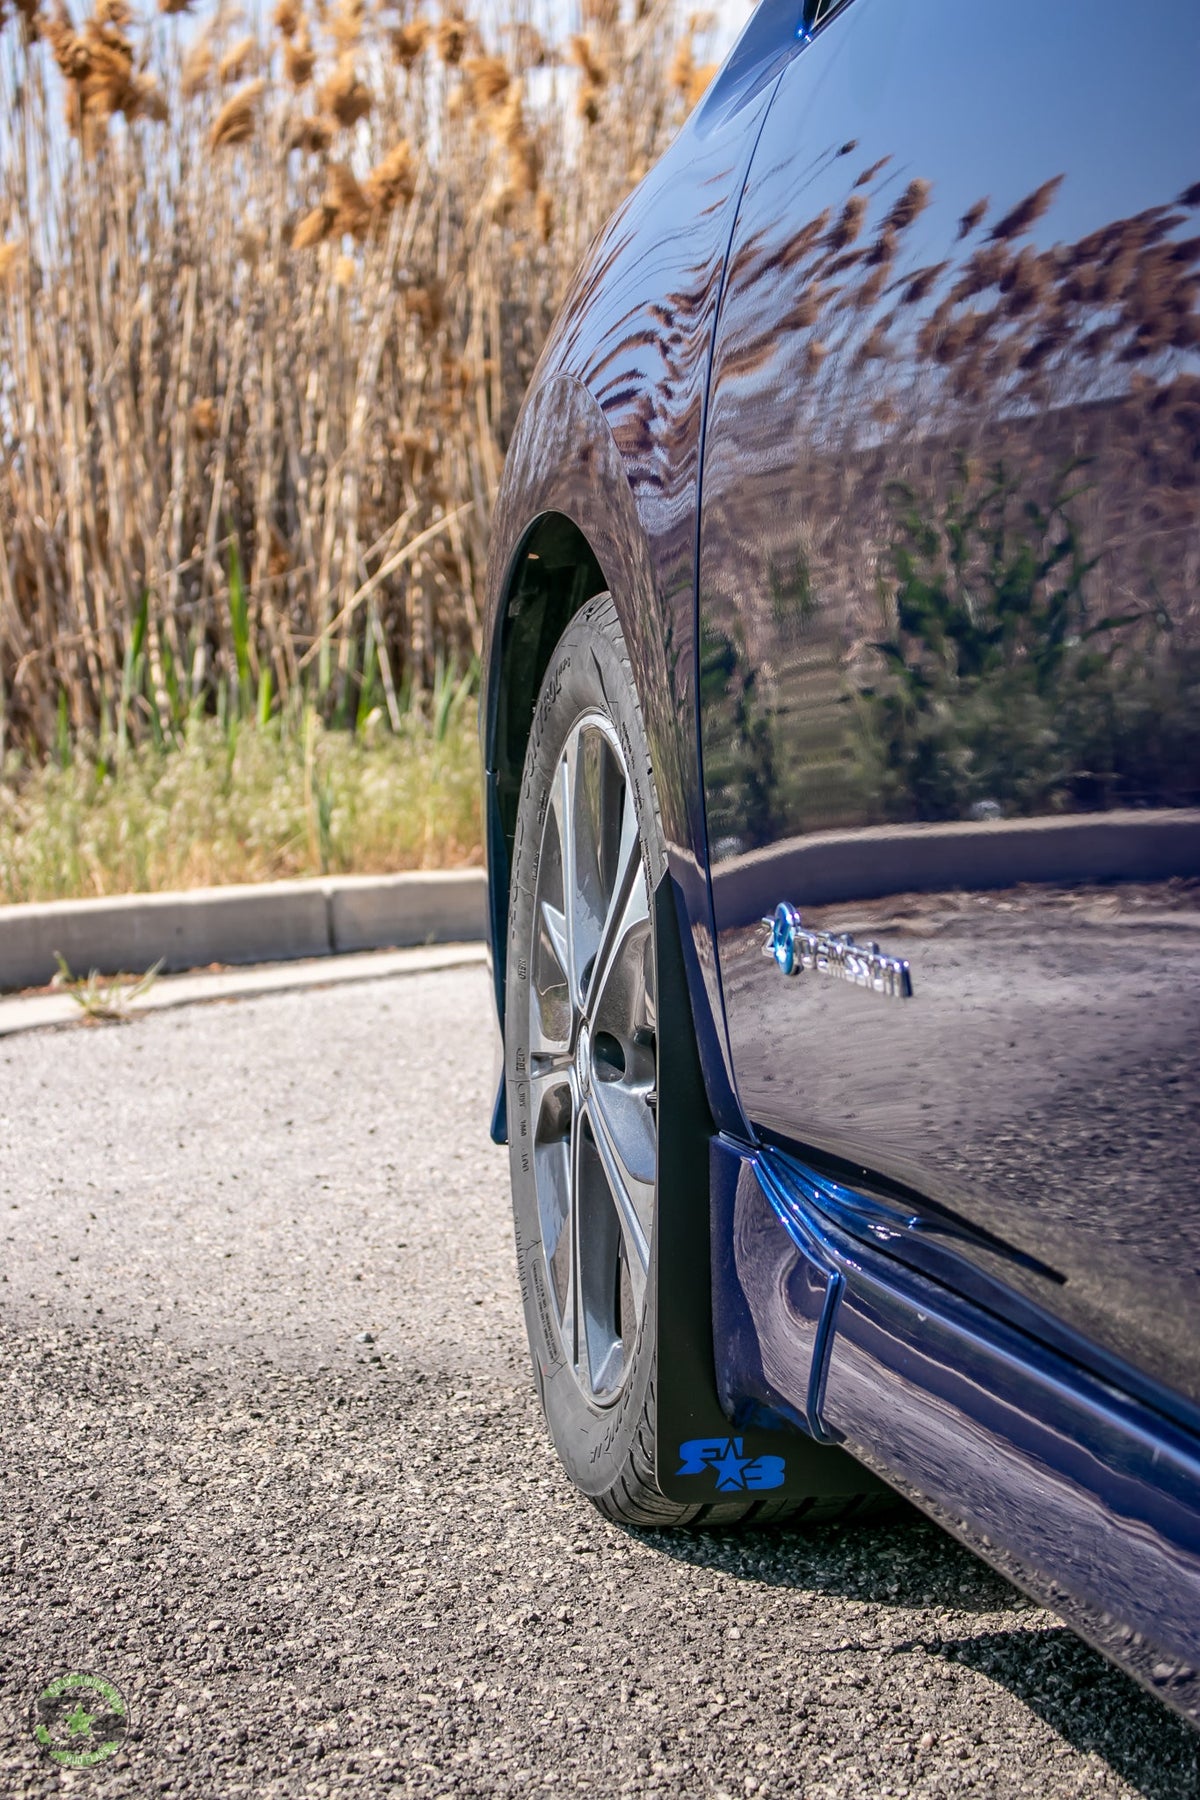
x: 566, y: 527
x: 554, y: 574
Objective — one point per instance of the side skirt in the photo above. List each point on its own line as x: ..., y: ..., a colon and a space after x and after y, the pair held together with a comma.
x: 1081, y: 1495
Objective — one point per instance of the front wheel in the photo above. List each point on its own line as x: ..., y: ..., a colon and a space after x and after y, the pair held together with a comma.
x: 581, y: 1065
x: 582, y: 1062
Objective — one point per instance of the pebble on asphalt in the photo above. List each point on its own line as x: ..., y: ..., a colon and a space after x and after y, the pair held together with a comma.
x: 314, y: 1573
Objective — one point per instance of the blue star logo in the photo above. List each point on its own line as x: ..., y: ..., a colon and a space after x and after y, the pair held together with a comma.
x: 729, y: 1467
x: 733, y: 1471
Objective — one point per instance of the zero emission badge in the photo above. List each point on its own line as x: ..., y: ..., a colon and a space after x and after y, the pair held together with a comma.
x: 79, y: 1720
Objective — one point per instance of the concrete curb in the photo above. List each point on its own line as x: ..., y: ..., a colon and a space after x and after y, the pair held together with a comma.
x: 50, y: 1012
x: 273, y: 922
x: 829, y: 867
x: 283, y: 920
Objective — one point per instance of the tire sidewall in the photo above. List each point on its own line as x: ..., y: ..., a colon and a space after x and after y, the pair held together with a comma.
x: 588, y: 672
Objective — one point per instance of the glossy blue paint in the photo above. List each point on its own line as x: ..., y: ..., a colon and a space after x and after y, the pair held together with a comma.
x: 1085, y: 1498
x: 609, y: 438
x: 958, y: 1235
x: 944, y: 1249
x: 906, y: 732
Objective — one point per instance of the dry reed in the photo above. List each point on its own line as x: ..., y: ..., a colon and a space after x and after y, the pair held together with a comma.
x: 261, y: 353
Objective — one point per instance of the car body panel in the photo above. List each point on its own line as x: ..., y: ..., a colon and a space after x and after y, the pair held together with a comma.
x: 931, y: 1237
x: 973, y: 285
x: 610, y: 438
x: 1088, y: 1501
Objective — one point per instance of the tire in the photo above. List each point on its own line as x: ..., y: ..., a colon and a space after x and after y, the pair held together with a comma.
x: 581, y: 1078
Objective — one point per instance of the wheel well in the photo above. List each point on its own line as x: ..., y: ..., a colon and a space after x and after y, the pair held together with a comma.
x: 555, y: 574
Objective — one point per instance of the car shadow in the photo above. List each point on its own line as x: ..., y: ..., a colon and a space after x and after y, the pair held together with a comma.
x: 905, y: 1561
x: 901, y: 1559
x: 1089, y: 1703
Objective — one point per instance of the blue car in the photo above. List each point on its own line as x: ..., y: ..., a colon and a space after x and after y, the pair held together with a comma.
x: 841, y: 728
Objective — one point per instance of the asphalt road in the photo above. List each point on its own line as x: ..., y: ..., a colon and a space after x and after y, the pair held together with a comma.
x: 317, y: 1562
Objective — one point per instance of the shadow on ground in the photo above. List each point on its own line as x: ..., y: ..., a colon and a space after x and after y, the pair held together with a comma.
x: 1089, y: 1703
x: 906, y: 1562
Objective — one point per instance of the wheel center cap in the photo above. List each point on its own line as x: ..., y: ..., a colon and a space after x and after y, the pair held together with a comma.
x: 583, y: 1059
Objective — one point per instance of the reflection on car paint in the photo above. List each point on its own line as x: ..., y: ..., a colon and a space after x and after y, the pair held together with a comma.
x: 948, y: 615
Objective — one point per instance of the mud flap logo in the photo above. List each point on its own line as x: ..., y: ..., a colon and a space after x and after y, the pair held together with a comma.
x: 734, y: 1472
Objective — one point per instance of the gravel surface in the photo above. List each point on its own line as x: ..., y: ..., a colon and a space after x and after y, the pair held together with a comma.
x: 271, y: 1463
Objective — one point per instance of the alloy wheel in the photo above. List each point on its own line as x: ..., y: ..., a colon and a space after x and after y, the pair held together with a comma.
x: 592, y: 1056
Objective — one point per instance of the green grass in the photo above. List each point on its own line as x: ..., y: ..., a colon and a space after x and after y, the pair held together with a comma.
x: 247, y: 802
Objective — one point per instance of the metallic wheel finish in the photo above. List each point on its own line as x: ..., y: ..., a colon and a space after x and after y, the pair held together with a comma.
x: 592, y: 1058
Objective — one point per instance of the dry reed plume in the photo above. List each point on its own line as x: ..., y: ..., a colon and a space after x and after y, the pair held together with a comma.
x: 267, y: 311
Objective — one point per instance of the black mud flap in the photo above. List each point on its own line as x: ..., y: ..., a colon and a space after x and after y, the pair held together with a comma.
x: 701, y: 1456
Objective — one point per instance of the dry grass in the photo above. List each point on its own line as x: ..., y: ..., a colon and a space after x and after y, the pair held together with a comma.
x: 279, y: 295
x: 253, y: 804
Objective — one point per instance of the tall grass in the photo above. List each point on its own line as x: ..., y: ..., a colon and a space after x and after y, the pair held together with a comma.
x: 268, y: 303
x: 254, y: 804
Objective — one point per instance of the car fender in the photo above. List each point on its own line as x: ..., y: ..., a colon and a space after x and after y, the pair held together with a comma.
x: 564, y: 460
x: 610, y: 440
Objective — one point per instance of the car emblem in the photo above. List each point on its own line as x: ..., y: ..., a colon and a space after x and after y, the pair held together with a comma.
x: 793, y: 948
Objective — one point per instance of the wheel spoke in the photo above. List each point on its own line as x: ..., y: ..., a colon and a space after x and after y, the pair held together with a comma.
x: 574, y: 1330
x: 629, y: 1171
x: 551, y: 1110
x: 565, y: 928
x: 549, y: 1072
x: 591, y: 1058
x: 628, y: 914
x: 553, y: 1060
